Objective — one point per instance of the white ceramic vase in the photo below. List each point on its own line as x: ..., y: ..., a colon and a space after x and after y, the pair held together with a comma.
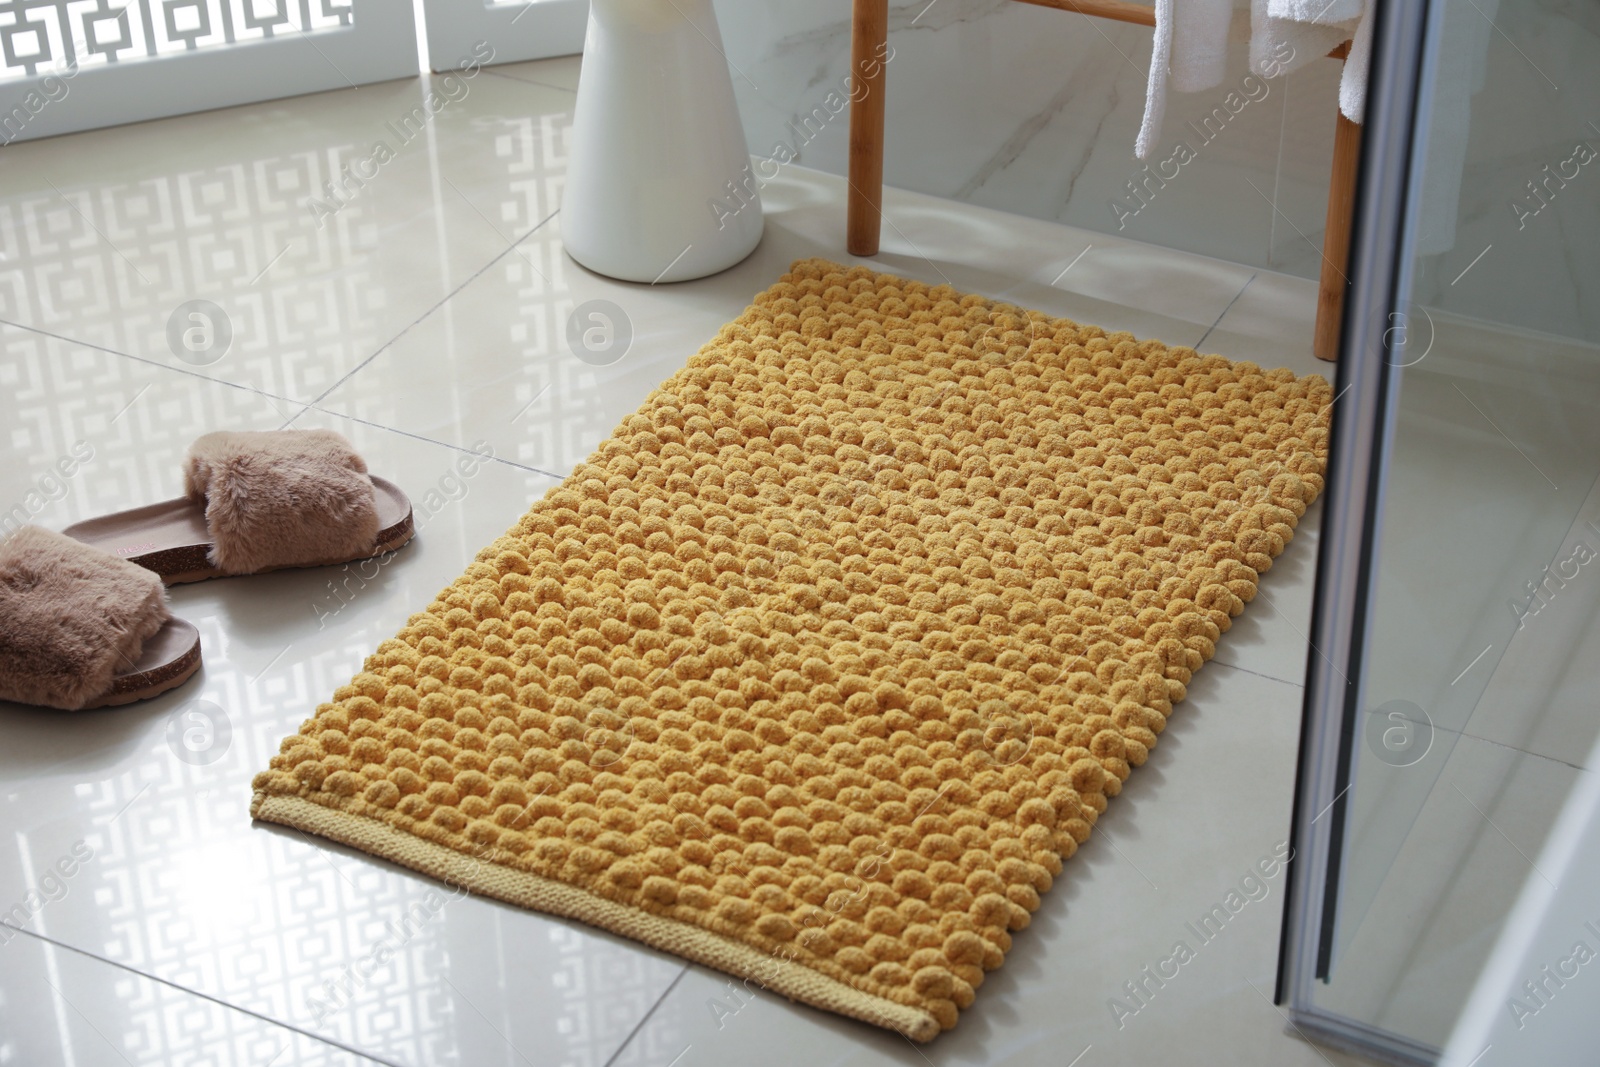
x: 659, y: 183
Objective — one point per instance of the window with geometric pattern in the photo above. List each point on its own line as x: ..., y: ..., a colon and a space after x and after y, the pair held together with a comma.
x: 44, y: 36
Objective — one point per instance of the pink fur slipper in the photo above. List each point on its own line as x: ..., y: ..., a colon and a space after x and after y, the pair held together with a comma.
x: 260, y: 501
x: 81, y: 629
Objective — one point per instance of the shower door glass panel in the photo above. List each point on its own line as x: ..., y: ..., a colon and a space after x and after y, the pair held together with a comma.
x: 1483, y: 655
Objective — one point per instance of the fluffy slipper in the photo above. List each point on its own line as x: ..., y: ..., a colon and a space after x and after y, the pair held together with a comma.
x: 260, y: 501
x: 82, y: 629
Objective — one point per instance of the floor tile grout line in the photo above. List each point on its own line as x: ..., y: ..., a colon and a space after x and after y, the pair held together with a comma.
x: 662, y: 999
x: 529, y: 81
x: 278, y: 1023
x: 1447, y: 729
x: 1254, y: 275
x: 434, y: 441
x: 304, y: 406
x: 1258, y: 674
x: 1514, y: 748
x: 157, y: 364
x: 452, y: 294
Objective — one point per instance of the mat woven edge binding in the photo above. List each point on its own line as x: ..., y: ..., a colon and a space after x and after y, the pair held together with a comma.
x: 551, y: 897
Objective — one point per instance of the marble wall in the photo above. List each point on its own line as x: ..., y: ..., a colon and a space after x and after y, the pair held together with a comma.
x: 1035, y: 111
x: 1523, y: 79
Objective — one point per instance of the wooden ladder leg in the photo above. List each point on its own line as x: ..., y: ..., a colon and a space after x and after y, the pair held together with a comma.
x: 1336, y: 238
x: 869, y: 32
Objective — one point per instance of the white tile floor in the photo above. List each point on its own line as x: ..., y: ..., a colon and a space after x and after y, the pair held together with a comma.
x: 427, y: 315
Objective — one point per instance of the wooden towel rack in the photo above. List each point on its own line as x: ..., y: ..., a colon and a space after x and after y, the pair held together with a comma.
x: 871, y: 30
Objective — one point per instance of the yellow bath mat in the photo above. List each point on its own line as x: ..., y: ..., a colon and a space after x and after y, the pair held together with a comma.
x: 821, y: 665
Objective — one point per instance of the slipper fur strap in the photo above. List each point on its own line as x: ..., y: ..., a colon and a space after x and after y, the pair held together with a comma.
x: 282, y: 498
x: 71, y: 618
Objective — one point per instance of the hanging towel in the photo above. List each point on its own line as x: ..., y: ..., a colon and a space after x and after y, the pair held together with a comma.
x: 1317, y: 12
x: 1189, y: 54
x: 1280, y: 45
x: 1155, y: 92
x: 1200, y: 43
x: 1353, y: 82
x: 1303, y: 30
x: 1190, y: 46
x: 1189, y: 51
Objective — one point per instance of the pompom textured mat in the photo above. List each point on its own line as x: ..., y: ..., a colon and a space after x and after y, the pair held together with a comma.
x: 824, y: 662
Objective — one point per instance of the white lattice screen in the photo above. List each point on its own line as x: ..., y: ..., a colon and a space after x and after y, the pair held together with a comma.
x: 41, y: 36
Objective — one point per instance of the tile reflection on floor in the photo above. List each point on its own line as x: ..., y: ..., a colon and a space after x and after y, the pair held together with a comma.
x: 426, y: 320
x: 58, y: 1005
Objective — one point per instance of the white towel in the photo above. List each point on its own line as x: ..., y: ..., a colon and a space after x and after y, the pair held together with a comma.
x: 1189, y: 51
x: 1200, y: 43
x: 1353, y: 82
x: 1155, y: 93
x: 1280, y: 45
x: 1317, y: 12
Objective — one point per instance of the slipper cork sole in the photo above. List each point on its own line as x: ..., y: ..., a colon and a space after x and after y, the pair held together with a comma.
x: 171, y: 538
x: 168, y: 659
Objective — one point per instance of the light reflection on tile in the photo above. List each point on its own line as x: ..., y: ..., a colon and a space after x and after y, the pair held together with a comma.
x: 59, y: 1006
x: 317, y: 248
x: 183, y: 887
x: 520, y: 385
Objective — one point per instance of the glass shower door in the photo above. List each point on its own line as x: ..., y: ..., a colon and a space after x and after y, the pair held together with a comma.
x: 1468, y: 693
